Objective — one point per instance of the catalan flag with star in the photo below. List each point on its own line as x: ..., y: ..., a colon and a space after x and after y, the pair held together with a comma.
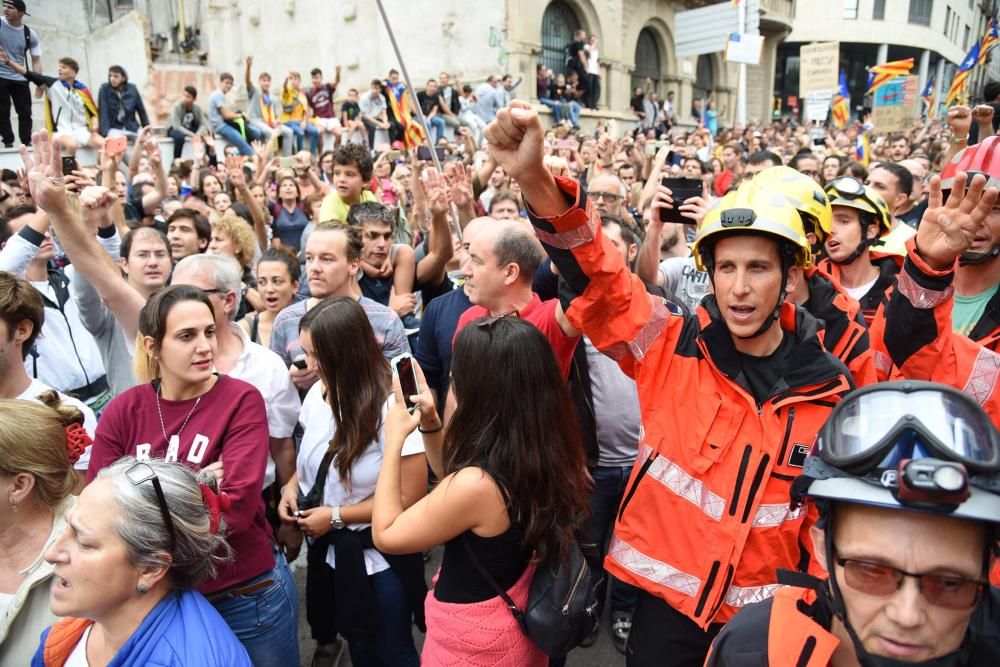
x: 879, y: 75
x: 841, y: 103
x: 930, y: 92
x: 962, y: 75
x: 989, y: 40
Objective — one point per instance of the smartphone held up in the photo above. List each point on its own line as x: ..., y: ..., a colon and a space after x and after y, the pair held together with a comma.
x: 681, y: 190
x: 403, y: 368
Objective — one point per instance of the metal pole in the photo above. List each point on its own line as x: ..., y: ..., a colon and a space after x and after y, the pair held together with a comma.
x: 457, y: 228
x: 409, y: 85
x: 741, y: 86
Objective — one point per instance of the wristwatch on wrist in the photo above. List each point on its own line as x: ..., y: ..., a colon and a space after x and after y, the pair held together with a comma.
x: 335, y: 521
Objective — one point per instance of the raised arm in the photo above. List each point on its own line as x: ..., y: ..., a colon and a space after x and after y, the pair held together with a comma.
x: 247, y: 79
x: 234, y: 168
x: 45, y: 180
x: 431, y: 269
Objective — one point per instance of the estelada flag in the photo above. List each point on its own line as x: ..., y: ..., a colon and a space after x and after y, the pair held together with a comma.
x: 861, y: 149
x: 988, y: 41
x: 879, y: 75
x: 962, y: 75
x: 399, y: 101
x: 89, y: 106
x: 930, y: 92
x: 841, y: 103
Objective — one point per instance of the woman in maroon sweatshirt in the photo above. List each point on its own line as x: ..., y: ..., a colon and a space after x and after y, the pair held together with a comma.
x: 188, y: 413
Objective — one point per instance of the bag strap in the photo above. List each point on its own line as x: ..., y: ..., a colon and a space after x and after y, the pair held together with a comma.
x: 518, y: 614
x: 27, y: 47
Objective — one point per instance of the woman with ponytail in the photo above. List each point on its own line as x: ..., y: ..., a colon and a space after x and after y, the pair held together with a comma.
x: 137, y: 543
x: 185, y: 412
x: 39, y: 442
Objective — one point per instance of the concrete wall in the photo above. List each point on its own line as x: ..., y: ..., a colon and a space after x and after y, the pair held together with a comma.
x: 447, y: 34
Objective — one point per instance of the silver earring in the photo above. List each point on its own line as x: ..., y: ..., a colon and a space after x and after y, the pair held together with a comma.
x: 142, y: 589
x: 13, y: 505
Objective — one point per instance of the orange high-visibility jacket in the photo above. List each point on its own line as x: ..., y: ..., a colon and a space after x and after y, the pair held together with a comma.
x: 845, y: 333
x: 921, y: 343
x: 786, y: 630
x: 705, y: 521
x: 887, y: 265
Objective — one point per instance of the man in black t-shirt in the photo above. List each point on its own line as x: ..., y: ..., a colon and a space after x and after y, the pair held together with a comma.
x: 429, y: 100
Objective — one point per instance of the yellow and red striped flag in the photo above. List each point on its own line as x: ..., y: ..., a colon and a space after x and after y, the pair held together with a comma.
x: 988, y: 41
x: 962, y: 75
x: 879, y: 75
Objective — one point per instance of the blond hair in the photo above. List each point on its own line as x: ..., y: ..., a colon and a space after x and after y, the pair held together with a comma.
x: 239, y: 232
x: 33, y: 441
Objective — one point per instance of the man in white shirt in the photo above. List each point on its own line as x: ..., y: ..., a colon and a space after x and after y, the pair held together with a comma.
x: 22, y: 315
x: 593, y: 74
x: 373, y: 111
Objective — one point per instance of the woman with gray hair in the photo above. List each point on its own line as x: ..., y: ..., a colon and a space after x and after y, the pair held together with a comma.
x: 137, y: 542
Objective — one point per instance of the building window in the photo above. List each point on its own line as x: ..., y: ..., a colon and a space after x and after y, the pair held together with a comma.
x: 125, y: 4
x: 947, y: 20
x: 558, y: 25
x: 647, y: 60
x: 965, y: 40
x: 850, y: 9
x: 878, y: 13
x: 704, y: 78
x: 920, y: 12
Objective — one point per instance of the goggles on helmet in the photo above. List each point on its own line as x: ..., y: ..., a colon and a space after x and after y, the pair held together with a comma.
x: 878, y: 427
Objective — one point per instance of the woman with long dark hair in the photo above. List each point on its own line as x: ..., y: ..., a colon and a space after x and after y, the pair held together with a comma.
x: 513, y: 489
x: 351, y: 587
x: 186, y: 412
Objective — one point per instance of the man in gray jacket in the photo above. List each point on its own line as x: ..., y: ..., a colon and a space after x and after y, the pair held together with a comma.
x: 186, y: 120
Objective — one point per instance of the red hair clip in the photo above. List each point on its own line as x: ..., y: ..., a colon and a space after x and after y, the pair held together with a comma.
x: 217, y: 503
x: 77, y: 441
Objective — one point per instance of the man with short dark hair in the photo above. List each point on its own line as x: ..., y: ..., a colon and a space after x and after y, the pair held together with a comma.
x: 18, y: 41
x: 71, y: 114
x: 761, y: 160
x: 189, y: 233
x: 429, y: 100
x: 187, y: 120
x: 264, y: 110
x: 895, y: 183
x: 488, y: 100
x: 373, y: 110
x: 732, y: 166
x: 899, y: 147
x: 320, y: 97
x: 805, y: 162
x: 227, y: 122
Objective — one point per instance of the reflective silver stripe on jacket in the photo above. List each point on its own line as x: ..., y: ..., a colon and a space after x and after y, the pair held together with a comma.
x: 983, y: 379
x: 649, y: 568
x: 639, y: 346
x: 670, y: 475
x: 768, y: 516
x: 574, y: 237
x: 737, y: 596
x: 921, y: 297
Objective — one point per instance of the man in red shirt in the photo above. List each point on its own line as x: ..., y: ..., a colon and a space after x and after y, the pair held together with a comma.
x: 320, y: 98
x: 732, y: 166
x: 502, y: 261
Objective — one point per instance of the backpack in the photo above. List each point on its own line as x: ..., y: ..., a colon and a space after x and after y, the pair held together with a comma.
x: 562, y: 602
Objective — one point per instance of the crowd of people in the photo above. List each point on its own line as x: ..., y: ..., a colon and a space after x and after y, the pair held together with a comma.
x: 744, y: 376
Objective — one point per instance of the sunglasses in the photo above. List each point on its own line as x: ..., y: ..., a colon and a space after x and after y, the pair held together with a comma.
x: 488, y: 322
x: 141, y: 473
x: 941, y: 590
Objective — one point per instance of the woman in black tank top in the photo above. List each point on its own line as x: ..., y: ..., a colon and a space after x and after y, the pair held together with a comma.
x: 513, y: 488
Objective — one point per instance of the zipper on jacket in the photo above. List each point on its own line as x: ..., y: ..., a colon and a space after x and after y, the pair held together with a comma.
x: 631, y: 492
x: 572, y: 591
x: 758, y: 478
x: 708, y: 588
x: 730, y: 571
x: 735, y: 498
x: 788, y: 434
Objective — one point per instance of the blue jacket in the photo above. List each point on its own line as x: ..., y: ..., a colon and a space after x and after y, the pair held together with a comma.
x: 183, y: 630
x: 108, y: 104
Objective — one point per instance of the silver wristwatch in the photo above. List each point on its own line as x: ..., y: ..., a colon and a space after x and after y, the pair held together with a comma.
x: 335, y: 521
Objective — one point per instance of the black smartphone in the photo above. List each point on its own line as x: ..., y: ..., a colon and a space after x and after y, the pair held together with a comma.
x: 681, y: 190
x: 403, y: 367
x: 69, y: 165
x: 300, y: 364
x: 424, y: 153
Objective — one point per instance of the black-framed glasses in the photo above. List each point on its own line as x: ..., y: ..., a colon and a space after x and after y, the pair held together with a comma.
x: 609, y: 197
x: 143, y: 472
x: 941, y: 590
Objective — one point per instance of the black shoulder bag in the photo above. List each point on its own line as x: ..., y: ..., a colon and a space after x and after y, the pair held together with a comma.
x: 308, y: 501
x: 562, y: 601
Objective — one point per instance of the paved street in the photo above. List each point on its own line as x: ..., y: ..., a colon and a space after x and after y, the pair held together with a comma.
x: 601, y: 654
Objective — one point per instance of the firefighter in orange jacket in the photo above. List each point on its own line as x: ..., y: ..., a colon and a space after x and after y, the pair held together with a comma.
x: 845, y: 332
x: 919, y: 335
x: 908, y: 514
x: 730, y: 398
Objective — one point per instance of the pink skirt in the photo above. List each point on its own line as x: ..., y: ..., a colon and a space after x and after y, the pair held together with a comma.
x: 481, y: 634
